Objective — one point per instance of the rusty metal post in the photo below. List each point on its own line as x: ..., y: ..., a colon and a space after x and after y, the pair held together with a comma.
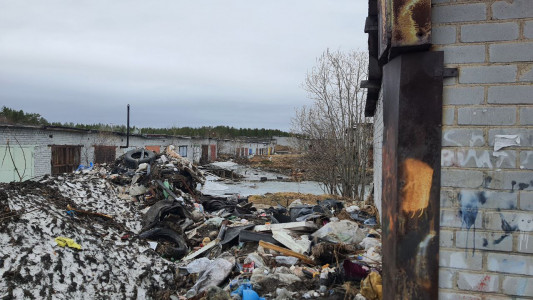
x: 412, y: 114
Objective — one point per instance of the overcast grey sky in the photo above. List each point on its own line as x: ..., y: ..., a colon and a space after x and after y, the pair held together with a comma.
x: 178, y: 63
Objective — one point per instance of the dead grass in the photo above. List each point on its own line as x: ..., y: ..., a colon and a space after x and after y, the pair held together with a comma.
x: 286, y: 199
x: 279, y: 161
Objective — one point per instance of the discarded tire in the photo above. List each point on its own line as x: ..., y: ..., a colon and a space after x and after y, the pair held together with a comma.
x: 178, y: 251
x: 138, y: 156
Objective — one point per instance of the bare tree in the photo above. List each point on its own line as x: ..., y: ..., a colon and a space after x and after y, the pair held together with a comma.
x: 338, y: 133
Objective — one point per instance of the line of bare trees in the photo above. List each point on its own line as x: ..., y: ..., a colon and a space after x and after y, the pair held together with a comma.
x: 338, y: 135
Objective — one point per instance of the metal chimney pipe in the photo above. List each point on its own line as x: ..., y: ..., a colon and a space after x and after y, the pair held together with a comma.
x: 127, y: 130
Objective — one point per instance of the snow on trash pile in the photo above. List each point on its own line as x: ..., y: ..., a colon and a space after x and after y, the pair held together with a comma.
x: 33, y: 265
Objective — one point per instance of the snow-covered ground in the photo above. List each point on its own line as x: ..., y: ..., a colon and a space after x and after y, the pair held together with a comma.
x: 33, y: 266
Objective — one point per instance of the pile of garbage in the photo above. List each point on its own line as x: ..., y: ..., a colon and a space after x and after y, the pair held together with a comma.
x: 139, y: 228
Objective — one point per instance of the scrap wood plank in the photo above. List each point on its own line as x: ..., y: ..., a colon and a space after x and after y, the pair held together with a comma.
x: 287, y: 252
x: 201, y: 250
x: 302, y: 226
x: 298, y: 244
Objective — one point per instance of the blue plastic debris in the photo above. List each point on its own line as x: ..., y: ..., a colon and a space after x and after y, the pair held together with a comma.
x: 82, y: 167
x: 246, y: 292
x: 371, y: 222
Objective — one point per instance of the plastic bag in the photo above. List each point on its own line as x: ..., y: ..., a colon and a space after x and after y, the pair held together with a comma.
x: 199, y: 265
x: 215, y: 273
x: 343, y: 231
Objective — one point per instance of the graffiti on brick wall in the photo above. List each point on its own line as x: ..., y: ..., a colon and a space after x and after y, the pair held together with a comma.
x: 470, y: 203
x: 477, y: 158
x: 507, y: 228
x: 469, y: 206
x: 520, y: 185
x: 473, y: 140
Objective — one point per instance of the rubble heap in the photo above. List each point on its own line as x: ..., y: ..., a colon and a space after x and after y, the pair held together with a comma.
x: 139, y: 228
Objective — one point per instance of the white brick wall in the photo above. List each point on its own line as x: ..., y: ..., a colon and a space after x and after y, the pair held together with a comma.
x: 378, y: 152
x: 42, y: 139
x: 486, y: 198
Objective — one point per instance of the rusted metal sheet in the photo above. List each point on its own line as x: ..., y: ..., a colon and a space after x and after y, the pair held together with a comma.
x: 412, y: 114
x: 205, y: 154
x: 104, y: 154
x: 411, y: 25
x: 213, y: 152
x: 404, y: 25
x: 65, y: 158
x: 384, y: 27
x: 154, y: 148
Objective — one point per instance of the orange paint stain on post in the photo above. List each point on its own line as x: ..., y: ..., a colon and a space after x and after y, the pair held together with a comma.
x: 417, y: 177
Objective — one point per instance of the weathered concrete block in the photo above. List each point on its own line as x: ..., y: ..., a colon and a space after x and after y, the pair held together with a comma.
x: 528, y: 30
x: 446, y: 239
x: 453, y: 219
x: 486, y: 116
x: 518, y: 94
x: 448, y: 198
x: 443, y: 35
x: 526, y: 135
x: 483, y: 241
x: 505, y: 263
x: 461, y: 178
x: 504, y: 159
x: 464, y: 54
x: 459, y: 13
x: 526, y: 160
x: 525, y: 242
x: 526, y: 200
x: 500, y: 200
x: 446, y: 278
x: 512, y: 10
x: 470, y: 158
x: 478, y: 282
x: 463, y: 137
x: 448, y: 116
x: 511, y: 52
x: 489, y: 199
x: 488, y: 74
x: 526, y: 74
x: 449, y: 81
x: 489, y: 32
x: 495, y: 297
x: 509, y: 221
x: 509, y: 180
x: 460, y: 260
x: 457, y: 295
x: 463, y: 95
x: 526, y: 116
x: 519, y: 286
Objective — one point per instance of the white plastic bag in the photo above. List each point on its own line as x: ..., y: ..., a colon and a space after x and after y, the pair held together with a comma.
x: 343, y: 231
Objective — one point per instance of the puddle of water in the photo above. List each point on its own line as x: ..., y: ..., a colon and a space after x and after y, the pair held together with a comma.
x: 246, y: 188
x: 251, y: 184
